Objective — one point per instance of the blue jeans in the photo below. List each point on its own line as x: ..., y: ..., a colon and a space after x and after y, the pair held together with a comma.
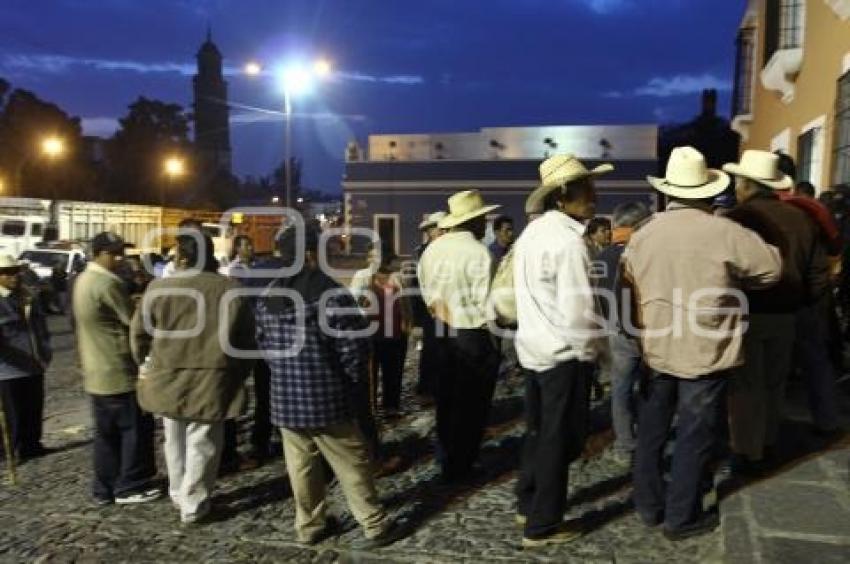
x: 696, y: 403
x: 625, y: 371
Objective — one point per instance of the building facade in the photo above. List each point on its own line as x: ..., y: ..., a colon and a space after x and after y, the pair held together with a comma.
x: 212, y: 115
x: 792, y: 85
x: 402, y: 178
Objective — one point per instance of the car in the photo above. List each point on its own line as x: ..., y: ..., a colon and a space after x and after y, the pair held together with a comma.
x: 70, y: 259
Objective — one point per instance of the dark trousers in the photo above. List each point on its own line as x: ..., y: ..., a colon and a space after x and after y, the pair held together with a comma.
x: 389, y: 358
x: 124, y: 460
x: 812, y: 348
x: 261, y: 433
x: 557, y: 403
x: 697, y: 405
x: 429, y: 363
x: 469, y: 364
x: 23, y: 399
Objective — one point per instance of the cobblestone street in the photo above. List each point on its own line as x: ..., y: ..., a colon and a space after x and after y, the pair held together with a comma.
x: 49, y: 517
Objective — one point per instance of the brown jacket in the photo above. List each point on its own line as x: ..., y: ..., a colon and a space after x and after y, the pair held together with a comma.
x: 190, y: 377
x: 687, y: 268
x: 805, y: 265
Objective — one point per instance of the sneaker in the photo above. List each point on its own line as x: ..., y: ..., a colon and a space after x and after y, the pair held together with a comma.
x: 703, y: 525
x: 566, y: 532
x: 394, y: 532
x: 145, y: 496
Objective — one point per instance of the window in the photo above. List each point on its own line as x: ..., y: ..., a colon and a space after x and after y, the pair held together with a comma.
x: 805, y: 148
x: 743, y: 96
x: 841, y: 156
x: 783, y: 26
x: 14, y: 228
x: 36, y: 229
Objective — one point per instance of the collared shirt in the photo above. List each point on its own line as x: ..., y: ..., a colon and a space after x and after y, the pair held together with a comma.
x: 313, y: 387
x: 556, y: 311
x: 455, y: 272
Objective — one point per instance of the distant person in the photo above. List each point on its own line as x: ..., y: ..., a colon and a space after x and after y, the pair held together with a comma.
x: 624, y: 350
x: 805, y: 189
x: 669, y: 264
x: 455, y: 274
x: 503, y: 231
x: 317, y: 393
x: 598, y: 235
x: 124, y: 462
x: 391, y: 311
x: 25, y: 354
x: 428, y: 365
x: 186, y: 374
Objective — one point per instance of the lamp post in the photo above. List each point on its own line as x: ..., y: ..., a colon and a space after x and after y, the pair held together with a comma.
x: 294, y: 81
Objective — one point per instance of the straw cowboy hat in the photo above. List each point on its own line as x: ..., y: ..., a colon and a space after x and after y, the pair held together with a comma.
x: 761, y: 167
x: 557, y: 171
x: 464, y: 206
x: 8, y: 262
x: 689, y: 177
x: 432, y: 220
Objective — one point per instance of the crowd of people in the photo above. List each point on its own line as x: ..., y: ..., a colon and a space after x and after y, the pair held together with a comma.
x: 695, y: 317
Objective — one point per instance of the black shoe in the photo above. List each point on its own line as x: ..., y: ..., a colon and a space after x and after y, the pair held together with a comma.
x: 34, y: 452
x: 703, y: 525
x: 391, y: 534
x: 330, y: 529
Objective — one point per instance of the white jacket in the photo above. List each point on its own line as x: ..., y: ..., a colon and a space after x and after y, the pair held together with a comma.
x: 556, y: 314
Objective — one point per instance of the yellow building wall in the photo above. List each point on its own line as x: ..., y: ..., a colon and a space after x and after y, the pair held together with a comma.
x: 826, y: 43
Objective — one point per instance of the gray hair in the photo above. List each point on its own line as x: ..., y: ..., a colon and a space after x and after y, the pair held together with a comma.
x: 630, y: 214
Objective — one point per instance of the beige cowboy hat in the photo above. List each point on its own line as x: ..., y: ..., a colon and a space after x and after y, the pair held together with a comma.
x: 689, y: 177
x: 8, y: 262
x: 557, y: 171
x: 761, y: 167
x: 464, y: 206
x: 432, y: 220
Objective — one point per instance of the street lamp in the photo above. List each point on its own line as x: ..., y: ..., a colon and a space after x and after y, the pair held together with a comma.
x: 174, y: 167
x: 51, y: 146
x: 295, y: 80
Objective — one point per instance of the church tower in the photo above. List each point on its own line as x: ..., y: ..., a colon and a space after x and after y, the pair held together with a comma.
x: 212, y: 115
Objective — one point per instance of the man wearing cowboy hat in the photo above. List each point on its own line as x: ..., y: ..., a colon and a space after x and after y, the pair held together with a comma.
x: 756, y: 391
x: 454, y: 275
x: 427, y: 356
x: 25, y: 354
x: 687, y: 268
x: 556, y: 342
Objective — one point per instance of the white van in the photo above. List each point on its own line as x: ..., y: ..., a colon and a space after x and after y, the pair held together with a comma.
x: 19, y: 233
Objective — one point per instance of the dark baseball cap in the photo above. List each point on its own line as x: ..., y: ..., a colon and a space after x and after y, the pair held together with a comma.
x: 107, y: 242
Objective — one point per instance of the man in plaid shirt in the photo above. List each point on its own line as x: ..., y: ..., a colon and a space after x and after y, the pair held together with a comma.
x: 307, y: 326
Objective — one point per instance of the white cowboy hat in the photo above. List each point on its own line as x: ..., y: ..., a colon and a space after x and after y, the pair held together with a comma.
x: 8, y: 262
x: 689, y: 177
x: 761, y: 167
x: 464, y: 206
x: 557, y: 171
x: 432, y: 220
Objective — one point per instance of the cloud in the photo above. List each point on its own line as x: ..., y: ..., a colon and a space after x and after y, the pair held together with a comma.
x: 99, y: 126
x: 605, y: 6
x: 61, y: 64
x: 403, y: 79
x: 678, y: 85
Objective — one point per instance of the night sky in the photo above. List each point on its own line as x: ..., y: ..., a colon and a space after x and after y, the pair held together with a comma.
x: 405, y: 66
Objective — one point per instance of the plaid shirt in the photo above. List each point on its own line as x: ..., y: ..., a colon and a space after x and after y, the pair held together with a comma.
x: 315, y: 387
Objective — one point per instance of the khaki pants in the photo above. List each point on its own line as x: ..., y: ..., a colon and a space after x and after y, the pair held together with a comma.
x: 192, y: 454
x: 344, y: 448
x: 757, y: 388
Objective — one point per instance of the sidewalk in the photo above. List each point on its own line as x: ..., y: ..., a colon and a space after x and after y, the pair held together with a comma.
x: 800, y: 512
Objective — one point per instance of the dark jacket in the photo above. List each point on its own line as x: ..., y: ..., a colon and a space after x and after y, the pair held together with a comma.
x: 24, y: 338
x: 805, y: 267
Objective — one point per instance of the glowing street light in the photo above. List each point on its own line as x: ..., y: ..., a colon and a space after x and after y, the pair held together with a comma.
x: 53, y: 146
x: 253, y: 68
x: 174, y: 167
x: 294, y: 80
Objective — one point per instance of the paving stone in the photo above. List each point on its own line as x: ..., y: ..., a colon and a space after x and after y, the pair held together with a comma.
x: 799, y: 508
x: 791, y: 551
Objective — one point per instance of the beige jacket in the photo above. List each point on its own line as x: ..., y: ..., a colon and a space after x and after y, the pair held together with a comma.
x: 102, y: 311
x: 688, y: 269
x: 186, y: 373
